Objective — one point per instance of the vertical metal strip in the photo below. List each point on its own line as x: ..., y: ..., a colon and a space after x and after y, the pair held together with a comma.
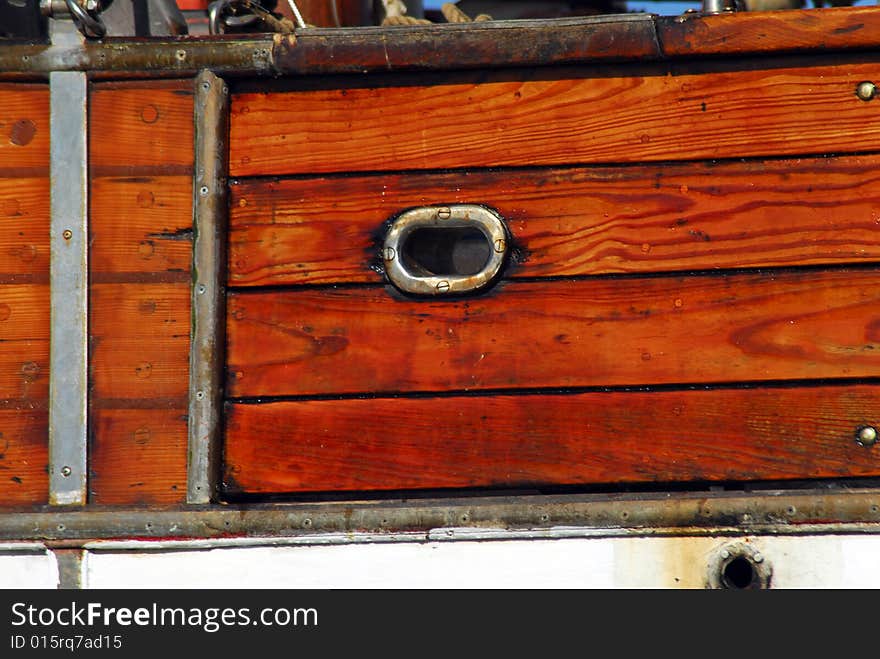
x: 208, y: 347
x: 68, y: 353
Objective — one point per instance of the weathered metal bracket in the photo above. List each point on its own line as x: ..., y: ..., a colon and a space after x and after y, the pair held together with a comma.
x: 207, y: 349
x: 68, y: 360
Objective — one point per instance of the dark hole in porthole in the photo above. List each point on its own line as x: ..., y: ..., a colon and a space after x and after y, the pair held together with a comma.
x: 738, y: 574
x: 461, y: 251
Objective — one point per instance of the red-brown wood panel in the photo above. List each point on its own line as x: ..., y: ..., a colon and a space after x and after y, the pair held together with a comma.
x: 24, y: 293
x: 480, y: 122
x: 535, y: 440
x: 592, y: 332
x: 565, y: 222
x: 141, y: 143
x: 24, y: 130
x: 138, y: 456
x: 140, y: 341
x: 142, y: 228
x: 24, y: 455
x: 24, y: 229
x: 24, y: 390
x: 769, y: 31
x: 141, y: 128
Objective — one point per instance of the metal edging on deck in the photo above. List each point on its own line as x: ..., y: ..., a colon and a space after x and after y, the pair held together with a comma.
x: 207, y: 350
x: 68, y: 360
x: 776, y: 512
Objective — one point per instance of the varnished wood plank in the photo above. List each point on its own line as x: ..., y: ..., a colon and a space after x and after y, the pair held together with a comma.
x: 140, y: 341
x: 24, y: 369
x: 769, y: 31
x: 633, y: 331
x: 24, y: 457
x: 141, y: 128
x: 141, y: 225
x: 138, y: 457
x: 540, y: 440
x: 24, y: 341
x: 495, y: 122
x: 572, y: 221
x: 24, y: 227
x: 24, y: 129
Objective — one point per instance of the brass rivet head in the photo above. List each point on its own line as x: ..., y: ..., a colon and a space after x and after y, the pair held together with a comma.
x: 866, y: 90
x: 866, y: 435
x: 67, y: 234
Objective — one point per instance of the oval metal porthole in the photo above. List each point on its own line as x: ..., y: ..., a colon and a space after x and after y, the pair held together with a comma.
x: 445, y: 250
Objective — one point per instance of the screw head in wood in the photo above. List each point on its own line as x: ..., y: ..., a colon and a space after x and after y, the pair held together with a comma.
x: 866, y: 435
x: 444, y: 213
x: 442, y: 286
x: 66, y: 471
x: 866, y: 90
x: 67, y: 234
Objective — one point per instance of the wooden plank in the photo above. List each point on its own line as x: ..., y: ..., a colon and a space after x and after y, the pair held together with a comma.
x: 843, y: 28
x: 140, y: 341
x: 24, y: 129
x: 24, y: 457
x: 541, y: 440
x: 632, y: 331
x: 138, y: 456
x: 141, y: 128
x: 24, y: 228
x: 141, y: 226
x: 566, y: 222
x: 24, y: 348
x: 490, y: 121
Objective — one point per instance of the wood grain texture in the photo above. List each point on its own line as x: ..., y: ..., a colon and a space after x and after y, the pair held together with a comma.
x: 769, y: 31
x: 141, y: 128
x: 24, y: 229
x: 140, y: 341
x: 138, y: 457
x: 24, y: 130
x: 24, y: 342
x: 572, y: 221
x: 486, y: 122
x: 540, y: 440
x: 141, y: 227
x: 24, y: 456
x: 633, y: 331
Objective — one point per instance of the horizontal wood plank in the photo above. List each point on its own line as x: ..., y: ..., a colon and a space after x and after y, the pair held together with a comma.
x: 572, y: 221
x: 24, y: 228
x: 488, y: 122
x: 769, y: 31
x: 140, y: 341
x: 141, y: 128
x: 24, y: 342
x: 541, y: 440
x: 24, y: 457
x: 24, y: 129
x: 138, y: 457
x: 632, y: 331
x: 141, y: 227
